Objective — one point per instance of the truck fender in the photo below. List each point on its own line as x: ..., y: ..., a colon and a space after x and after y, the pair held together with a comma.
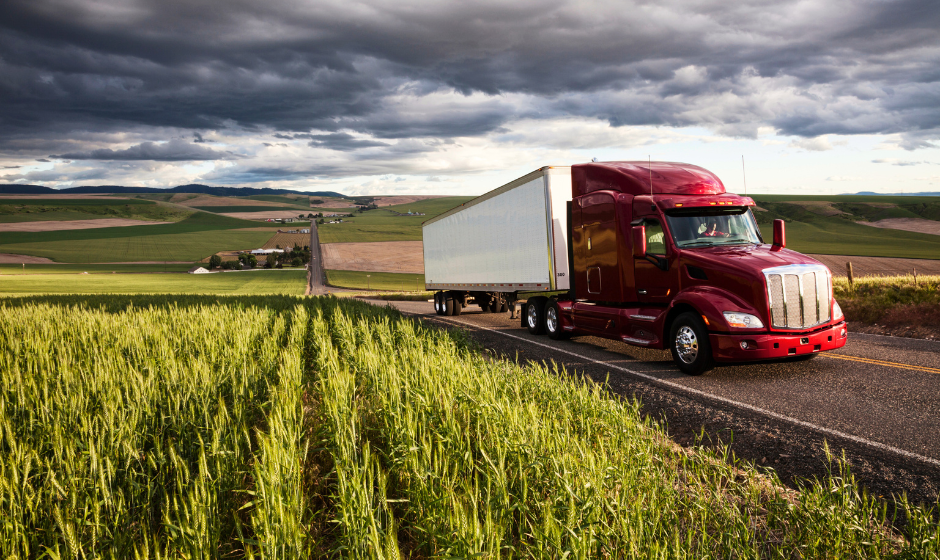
x: 710, y: 303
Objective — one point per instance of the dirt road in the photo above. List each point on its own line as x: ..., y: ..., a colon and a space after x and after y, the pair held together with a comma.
x: 876, y: 399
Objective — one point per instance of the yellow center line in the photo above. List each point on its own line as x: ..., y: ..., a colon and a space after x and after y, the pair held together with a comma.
x: 881, y: 363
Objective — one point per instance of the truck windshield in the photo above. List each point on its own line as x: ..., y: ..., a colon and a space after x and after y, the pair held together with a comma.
x: 707, y: 227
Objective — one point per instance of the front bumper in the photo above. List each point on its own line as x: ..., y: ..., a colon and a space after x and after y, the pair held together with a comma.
x: 727, y: 347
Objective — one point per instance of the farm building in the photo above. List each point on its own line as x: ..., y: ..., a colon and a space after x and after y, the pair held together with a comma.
x: 198, y: 270
x: 266, y: 251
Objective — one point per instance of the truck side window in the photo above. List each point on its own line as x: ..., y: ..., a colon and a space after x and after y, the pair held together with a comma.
x: 655, y: 242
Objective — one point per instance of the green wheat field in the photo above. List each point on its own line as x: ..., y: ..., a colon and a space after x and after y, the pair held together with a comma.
x: 288, y: 427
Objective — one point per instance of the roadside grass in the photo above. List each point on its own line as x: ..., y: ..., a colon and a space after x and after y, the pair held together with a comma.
x: 890, y: 300
x: 29, y: 269
x: 250, y: 282
x: 380, y: 281
x: 316, y: 427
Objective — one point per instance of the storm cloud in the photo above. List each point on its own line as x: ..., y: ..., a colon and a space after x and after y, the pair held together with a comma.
x: 372, y: 78
x: 174, y: 150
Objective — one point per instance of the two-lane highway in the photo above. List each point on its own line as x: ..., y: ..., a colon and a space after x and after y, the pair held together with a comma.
x: 877, y: 399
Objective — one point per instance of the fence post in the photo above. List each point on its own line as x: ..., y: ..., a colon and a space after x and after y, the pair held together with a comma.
x: 915, y: 275
x: 848, y: 267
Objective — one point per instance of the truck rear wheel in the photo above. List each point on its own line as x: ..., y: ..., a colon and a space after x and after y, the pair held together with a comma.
x: 438, y: 307
x: 447, y: 305
x: 688, y: 340
x: 456, y: 305
x: 553, y: 321
x: 535, y: 315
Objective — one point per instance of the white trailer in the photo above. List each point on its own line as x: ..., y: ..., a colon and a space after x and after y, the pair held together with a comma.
x: 512, y: 239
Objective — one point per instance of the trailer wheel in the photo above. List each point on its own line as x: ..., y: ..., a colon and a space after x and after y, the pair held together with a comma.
x: 456, y: 305
x: 535, y: 315
x: 688, y: 340
x: 438, y: 307
x: 493, y: 306
x: 553, y: 321
x: 503, y: 307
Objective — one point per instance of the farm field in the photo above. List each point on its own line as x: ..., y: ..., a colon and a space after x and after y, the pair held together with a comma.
x: 317, y: 427
x: 833, y: 225
x: 191, y: 239
x: 386, y: 256
x: 383, y: 225
x: 383, y: 281
x: 290, y: 282
x: 103, y: 268
x: 30, y: 209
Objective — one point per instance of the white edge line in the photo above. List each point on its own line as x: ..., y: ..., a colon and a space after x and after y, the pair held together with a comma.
x: 689, y: 390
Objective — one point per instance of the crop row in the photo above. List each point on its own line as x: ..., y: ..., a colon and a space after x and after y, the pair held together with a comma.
x: 286, y: 427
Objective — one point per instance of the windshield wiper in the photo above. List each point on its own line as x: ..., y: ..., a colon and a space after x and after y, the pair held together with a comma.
x: 702, y: 243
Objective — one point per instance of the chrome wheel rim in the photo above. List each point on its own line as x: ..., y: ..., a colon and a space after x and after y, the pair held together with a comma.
x: 551, y: 319
x: 437, y: 302
x: 686, y: 344
x: 532, y: 315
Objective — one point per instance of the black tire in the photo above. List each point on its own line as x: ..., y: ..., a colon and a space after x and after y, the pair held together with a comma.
x: 458, y: 307
x: 438, y: 296
x: 503, y: 307
x: 447, y: 305
x: 553, y: 321
x: 534, y: 315
x: 484, y: 304
x: 494, y: 305
x: 688, y: 341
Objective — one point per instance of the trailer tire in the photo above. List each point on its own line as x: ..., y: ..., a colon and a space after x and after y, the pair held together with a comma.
x: 493, y: 307
x: 503, y: 307
x: 457, y: 307
x: 553, y: 321
x: 534, y: 315
x: 438, y: 307
x: 688, y: 341
x: 484, y: 304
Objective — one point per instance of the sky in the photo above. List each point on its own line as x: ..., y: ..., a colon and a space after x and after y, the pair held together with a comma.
x: 457, y: 98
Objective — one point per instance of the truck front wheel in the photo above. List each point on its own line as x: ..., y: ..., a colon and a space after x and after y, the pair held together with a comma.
x: 688, y: 340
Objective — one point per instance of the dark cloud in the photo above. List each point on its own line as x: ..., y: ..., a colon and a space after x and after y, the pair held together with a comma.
x: 351, y: 77
x: 174, y: 150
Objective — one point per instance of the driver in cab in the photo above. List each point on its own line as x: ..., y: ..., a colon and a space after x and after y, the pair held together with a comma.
x: 711, y: 230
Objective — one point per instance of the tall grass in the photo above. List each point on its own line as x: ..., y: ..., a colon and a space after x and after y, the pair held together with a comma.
x: 285, y: 427
x: 898, y: 300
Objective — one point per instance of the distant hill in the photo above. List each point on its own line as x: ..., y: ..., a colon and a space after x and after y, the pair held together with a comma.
x: 869, y: 193
x: 194, y: 188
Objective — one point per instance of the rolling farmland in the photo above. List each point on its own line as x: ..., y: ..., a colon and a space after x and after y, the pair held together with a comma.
x: 191, y: 239
x: 383, y: 224
x: 291, y: 282
x: 282, y: 427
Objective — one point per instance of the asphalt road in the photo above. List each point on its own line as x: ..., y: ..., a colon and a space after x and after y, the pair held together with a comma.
x: 316, y: 277
x: 877, y: 400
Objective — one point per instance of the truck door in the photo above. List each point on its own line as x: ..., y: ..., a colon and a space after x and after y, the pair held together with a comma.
x: 598, y: 248
x: 656, y: 276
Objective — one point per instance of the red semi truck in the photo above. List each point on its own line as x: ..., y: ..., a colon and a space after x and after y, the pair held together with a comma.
x: 655, y: 254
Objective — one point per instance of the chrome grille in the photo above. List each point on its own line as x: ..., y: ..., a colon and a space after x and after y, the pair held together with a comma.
x: 798, y: 295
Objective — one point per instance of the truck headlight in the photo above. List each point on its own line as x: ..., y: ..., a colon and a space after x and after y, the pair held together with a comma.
x: 742, y: 320
x: 836, y: 311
